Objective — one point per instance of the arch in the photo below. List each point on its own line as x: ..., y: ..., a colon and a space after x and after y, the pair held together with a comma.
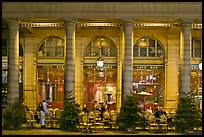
x: 148, y: 47
x: 51, y: 47
x: 108, y: 47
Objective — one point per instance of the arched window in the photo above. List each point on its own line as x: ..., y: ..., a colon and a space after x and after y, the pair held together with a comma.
x: 196, y: 50
x: 51, y: 47
x: 146, y: 47
x: 107, y: 46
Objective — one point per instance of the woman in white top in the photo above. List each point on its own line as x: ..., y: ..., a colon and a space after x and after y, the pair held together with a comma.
x: 43, y: 112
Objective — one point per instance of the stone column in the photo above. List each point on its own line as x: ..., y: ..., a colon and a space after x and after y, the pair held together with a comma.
x: 13, y: 62
x: 29, y: 70
x: 171, y: 95
x: 127, y: 76
x: 185, y: 64
x: 69, y: 77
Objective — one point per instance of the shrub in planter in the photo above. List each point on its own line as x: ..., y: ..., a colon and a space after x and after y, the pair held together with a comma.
x: 187, y: 115
x: 69, y: 118
x: 129, y: 116
x: 13, y: 115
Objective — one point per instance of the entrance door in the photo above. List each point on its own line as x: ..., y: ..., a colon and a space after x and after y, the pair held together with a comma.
x: 100, y: 86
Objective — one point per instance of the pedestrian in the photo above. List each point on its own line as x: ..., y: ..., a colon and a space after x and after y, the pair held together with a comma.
x: 44, y: 110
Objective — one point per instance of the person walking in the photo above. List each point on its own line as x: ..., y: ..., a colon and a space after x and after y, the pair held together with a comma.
x: 44, y: 110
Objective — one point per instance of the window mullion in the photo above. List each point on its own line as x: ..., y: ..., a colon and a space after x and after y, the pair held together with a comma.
x: 155, y: 49
x: 147, y: 50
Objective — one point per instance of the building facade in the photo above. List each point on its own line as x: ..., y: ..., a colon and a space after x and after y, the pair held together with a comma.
x: 101, y: 51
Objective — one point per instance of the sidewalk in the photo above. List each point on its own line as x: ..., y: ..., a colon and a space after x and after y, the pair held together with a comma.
x: 56, y: 131
x: 37, y: 131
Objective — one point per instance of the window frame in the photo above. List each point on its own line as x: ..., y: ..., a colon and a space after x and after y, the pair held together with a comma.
x: 147, y: 47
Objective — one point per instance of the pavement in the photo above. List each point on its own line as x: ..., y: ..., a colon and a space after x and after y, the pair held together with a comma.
x: 60, y: 132
x: 39, y: 131
x: 99, y: 131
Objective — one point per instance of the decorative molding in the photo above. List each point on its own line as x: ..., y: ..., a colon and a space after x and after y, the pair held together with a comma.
x: 107, y: 24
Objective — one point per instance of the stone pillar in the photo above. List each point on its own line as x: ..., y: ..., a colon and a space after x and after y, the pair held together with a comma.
x: 29, y: 70
x: 185, y: 64
x: 171, y: 95
x: 13, y: 62
x: 69, y: 77
x: 127, y: 76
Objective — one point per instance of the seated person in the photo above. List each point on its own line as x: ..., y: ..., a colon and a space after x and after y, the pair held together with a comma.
x: 148, y: 112
x: 162, y: 111
x: 85, y: 109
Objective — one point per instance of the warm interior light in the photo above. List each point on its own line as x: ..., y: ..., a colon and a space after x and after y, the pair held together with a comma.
x: 200, y: 66
x: 100, y: 63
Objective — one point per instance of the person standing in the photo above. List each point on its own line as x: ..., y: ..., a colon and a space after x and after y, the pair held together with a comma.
x: 44, y: 110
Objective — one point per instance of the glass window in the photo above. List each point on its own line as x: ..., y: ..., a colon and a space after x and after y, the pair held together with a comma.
x: 51, y: 47
x: 135, y: 50
x: 143, y: 51
x: 159, y: 50
x: 151, y: 49
x: 147, y: 47
x: 50, y: 84
x: 108, y: 48
x: 196, y: 48
x: 149, y: 79
x: 196, y: 84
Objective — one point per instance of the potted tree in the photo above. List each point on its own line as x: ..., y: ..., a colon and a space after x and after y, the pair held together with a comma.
x: 187, y: 115
x: 130, y: 114
x: 69, y: 118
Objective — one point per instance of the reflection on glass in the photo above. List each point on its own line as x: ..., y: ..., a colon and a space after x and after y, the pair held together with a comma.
x: 149, y: 79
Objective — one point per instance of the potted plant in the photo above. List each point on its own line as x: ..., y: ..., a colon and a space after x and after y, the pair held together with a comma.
x: 187, y: 115
x: 69, y: 118
x: 130, y: 114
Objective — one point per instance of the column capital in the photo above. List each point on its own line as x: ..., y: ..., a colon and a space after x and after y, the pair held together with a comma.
x: 70, y: 22
x: 12, y: 21
x: 128, y: 22
x: 186, y: 22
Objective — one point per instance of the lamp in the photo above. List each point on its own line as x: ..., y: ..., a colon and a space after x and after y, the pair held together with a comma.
x: 100, y: 62
x: 200, y: 65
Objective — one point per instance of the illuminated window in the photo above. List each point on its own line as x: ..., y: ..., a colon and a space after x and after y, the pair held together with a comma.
x: 108, y: 48
x: 51, y: 47
x: 146, y: 47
